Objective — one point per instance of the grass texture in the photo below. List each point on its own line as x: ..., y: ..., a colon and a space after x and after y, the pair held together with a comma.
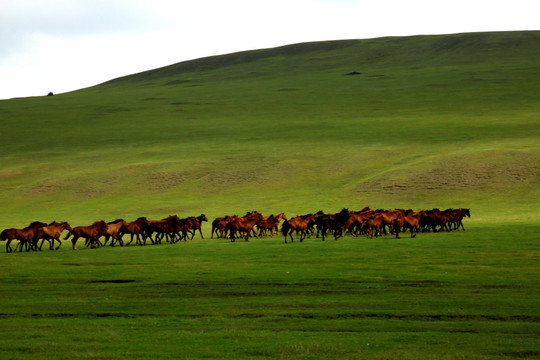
x: 459, y: 295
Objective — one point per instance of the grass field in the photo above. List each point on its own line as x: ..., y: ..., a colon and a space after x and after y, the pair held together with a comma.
x: 413, y: 122
x: 459, y: 295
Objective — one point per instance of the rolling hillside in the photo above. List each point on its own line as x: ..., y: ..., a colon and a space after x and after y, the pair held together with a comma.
x: 415, y: 122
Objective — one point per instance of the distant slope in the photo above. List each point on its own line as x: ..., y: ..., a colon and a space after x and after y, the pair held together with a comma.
x: 420, y: 122
x: 467, y: 47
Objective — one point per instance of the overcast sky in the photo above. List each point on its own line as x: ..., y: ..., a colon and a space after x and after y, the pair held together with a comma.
x: 65, y: 45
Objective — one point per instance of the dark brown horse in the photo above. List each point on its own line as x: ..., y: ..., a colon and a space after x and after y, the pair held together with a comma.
x: 298, y: 224
x: 456, y: 216
x: 27, y: 236
x: 243, y: 225
x: 434, y: 218
x: 195, y: 223
x: 167, y: 227
x: 137, y: 228
x: 52, y: 233
x: 219, y: 224
x: 333, y: 222
x: 91, y: 233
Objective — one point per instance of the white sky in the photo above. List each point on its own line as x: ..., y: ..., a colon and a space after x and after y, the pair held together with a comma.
x: 65, y: 45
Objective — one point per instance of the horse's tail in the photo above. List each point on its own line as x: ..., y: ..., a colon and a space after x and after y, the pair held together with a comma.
x: 68, y: 235
x: 3, y: 235
x: 285, y: 228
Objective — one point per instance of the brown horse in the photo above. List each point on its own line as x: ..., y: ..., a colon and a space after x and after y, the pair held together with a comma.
x: 114, y: 232
x: 26, y: 236
x: 136, y: 228
x: 456, y: 216
x: 219, y: 224
x: 243, y: 225
x: 357, y: 219
x: 333, y: 222
x: 195, y: 223
x: 298, y: 224
x: 270, y: 223
x: 434, y: 218
x: 52, y: 233
x: 167, y: 227
x: 91, y: 233
x: 410, y: 221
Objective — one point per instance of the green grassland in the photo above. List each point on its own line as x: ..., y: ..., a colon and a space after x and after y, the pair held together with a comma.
x: 459, y: 295
x: 400, y: 122
x: 437, y: 121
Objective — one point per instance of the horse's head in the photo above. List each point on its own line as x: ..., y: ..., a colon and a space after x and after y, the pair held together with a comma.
x: 281, y: 216
x: 203, y: 218
x: 101, y: 226
x: 467, y: 212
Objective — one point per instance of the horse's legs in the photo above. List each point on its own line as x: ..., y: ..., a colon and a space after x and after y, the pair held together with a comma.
x: 74, y: 242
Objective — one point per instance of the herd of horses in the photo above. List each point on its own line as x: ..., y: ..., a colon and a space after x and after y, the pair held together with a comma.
x: 173, y: 229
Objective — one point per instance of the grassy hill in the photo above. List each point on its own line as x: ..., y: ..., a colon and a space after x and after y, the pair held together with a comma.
x: 409, y: 122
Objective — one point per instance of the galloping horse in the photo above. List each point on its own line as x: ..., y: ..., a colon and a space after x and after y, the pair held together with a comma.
x: 410, y: 221
x: 26, y: 236
x: 456, y: 217
x: 138, y: 228
x: 114, y: 232
x: 195, y: 224
x: 357, y: 219
x: 52, y: 233
x: 165, y: 227
x: 298, y: 224
x: 333, y: 222
x: 219, y: 224
x: 270, y: 223
x: 243, y: 225
x: 91, y: 233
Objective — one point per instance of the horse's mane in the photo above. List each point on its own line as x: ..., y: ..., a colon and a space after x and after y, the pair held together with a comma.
x: 35, y: 223
x: 57, y: 223
x: 115, y: 221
